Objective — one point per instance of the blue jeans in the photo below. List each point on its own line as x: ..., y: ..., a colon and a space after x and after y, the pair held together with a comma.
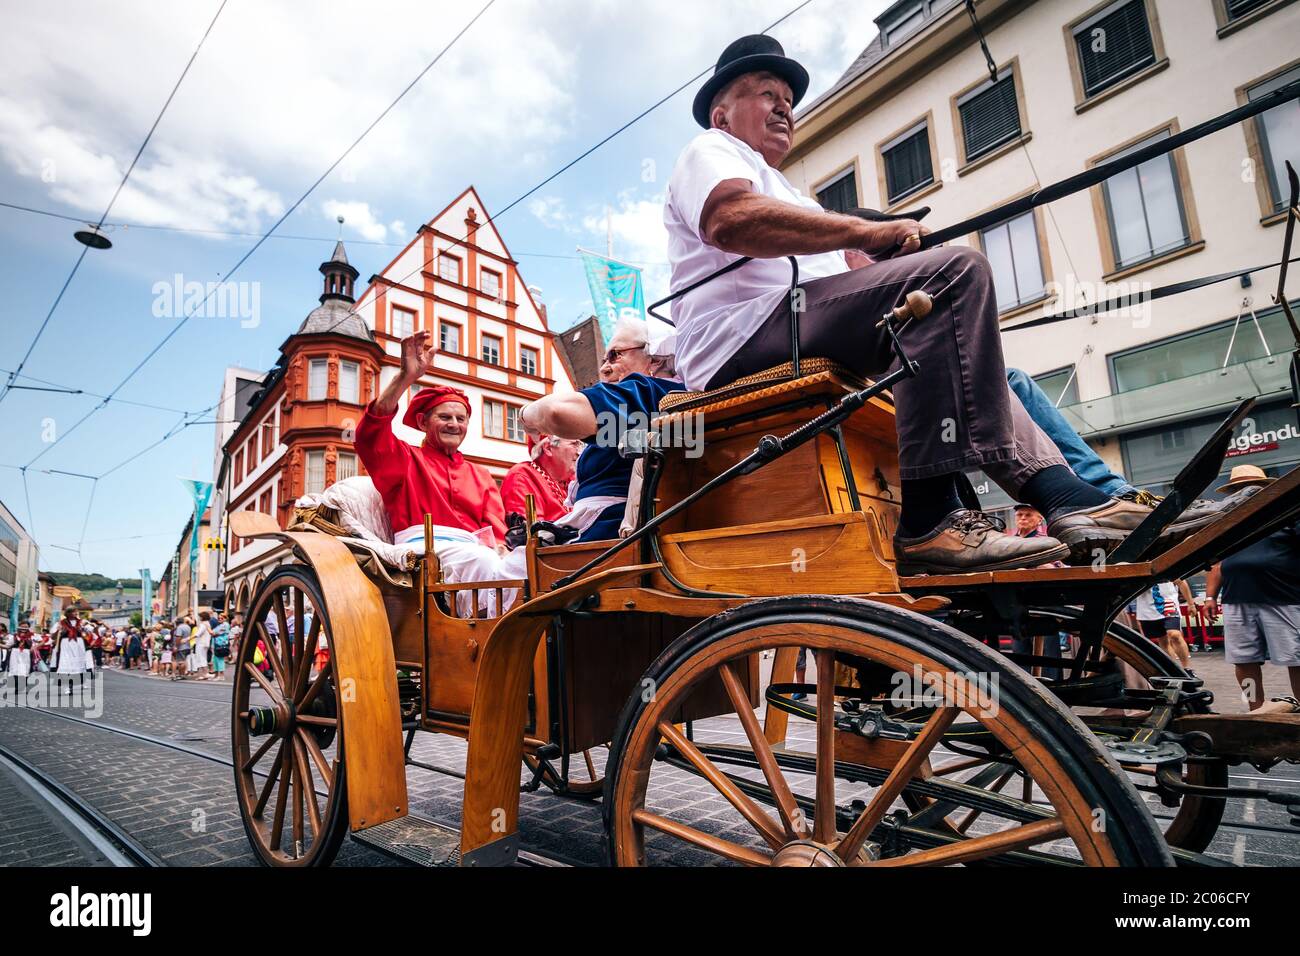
x: 1081, y: 459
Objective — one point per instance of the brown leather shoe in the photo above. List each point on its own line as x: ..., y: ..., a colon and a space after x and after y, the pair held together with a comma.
x: 1106, y: 526
x: 969, y: 541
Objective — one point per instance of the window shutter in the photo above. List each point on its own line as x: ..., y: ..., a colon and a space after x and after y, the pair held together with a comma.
x: 841, y: 195
x: 1239, y: 8
x: 1123, y: 38
x: 990, y: 118
x: 908, y: 166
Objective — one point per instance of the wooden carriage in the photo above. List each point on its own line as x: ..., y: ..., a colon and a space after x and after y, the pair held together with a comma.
x: 702, y: 616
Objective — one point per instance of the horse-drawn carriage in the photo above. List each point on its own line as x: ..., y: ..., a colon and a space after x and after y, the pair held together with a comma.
x: 918, y: 742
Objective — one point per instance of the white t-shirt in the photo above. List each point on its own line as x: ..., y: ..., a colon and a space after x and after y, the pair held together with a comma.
x: 1146, y: 602
x: 715, y: 320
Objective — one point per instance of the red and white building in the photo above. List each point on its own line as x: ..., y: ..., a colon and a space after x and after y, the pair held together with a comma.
x: 455, y: 278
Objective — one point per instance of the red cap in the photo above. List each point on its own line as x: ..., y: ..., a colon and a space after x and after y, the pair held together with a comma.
x: 431, y: 398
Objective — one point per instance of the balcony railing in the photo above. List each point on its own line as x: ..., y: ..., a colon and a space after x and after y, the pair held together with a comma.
x: 1204, y: 392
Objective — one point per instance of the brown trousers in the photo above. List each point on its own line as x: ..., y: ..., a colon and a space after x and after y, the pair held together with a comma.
x: 958, y: 413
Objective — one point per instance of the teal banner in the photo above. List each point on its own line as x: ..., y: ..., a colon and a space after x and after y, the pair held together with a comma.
x: 201, y: 492
x: 146, y: 597
x: 616, y: 291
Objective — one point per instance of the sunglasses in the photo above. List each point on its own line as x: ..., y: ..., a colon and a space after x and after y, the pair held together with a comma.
x: 612, y: 355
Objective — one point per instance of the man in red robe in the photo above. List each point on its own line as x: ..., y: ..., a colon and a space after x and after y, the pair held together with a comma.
x: 435, y: 478
x: 545, y: 476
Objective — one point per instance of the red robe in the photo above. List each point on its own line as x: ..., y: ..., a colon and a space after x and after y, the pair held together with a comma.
x: 417, y: 481
x: 524, y: 479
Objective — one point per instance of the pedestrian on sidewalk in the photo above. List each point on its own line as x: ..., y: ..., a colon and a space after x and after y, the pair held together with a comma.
x: 1157, y: 614
x: 203, y: 644
x: 181, y: 651
x: 1258, y: 589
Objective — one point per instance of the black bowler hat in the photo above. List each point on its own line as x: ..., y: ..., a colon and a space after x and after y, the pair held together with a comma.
x: 752, y: 54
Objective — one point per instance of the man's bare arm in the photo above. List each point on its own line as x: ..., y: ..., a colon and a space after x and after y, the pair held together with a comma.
x: 569, y: 415
x: 738, y: 220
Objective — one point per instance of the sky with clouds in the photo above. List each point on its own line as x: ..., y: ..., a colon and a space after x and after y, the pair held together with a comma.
x: 278, y: 92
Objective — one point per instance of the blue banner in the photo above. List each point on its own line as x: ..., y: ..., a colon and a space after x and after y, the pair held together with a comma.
x: 616, y: 291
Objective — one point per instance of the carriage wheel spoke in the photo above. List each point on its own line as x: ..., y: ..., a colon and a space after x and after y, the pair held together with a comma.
x: 591, y: 767
x: 960, y: 765
x: 1017, y: 838
x: 277, y: 822
x: 308, y: 654
x: 271, y: 779
x: 295, y: 779
x: 791, y: 816
x: 898, y: 779
x: 271, y: 690
x: 308, y: 787
x: 299, y: 637
x: 750, y: 810
x: 317, y: 757
x: 251, y: 762
x: 280, y: 666
x: 705, y: 841
x: 824, y: 815
x: 317, y: 721
x: 998, y: 784
x: 321, y: 680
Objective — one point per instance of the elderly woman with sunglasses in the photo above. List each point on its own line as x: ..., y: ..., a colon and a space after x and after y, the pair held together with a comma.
x: 632, y: 381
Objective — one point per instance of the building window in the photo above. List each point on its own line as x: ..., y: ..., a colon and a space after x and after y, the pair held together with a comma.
x: 491, y: 350
x: 449, y: 268
x: 490, y: 283
x: 1278, y: 132
x: 1144, y: 207
x: 528, y: 360
x: 904, y: 27
x: 315, y: 481
x: 413, y: 391
x: 908, y: 163
x: 403, y: 322
x: 1236, y: 9
x: 1014, y: 253
x: 350, y: 382
x: 493, y: 419
x: 989, y: 115
x: 1113, y: 44
x: 1061, y: 387
x: 251, y: 457
x: 840, y: 194
x: 264, y: 503
x: 239, y: 466
x: 514, y: 427
x: 268, y: 438
x: 449, y: 337
x: 346, y: 467
x: 318, y: 377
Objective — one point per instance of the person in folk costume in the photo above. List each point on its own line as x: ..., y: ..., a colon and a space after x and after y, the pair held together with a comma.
x: 545, y: 475
x: 434, y: 478
x: 19, y: 645
x: 6, y: 639
x: 70, y: 655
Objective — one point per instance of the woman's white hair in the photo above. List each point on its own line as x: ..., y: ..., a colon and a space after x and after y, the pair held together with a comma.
x: 638, y: 330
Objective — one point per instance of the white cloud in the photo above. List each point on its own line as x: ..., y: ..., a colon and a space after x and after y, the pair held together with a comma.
x: 552, y: 212
x: 358, y: 217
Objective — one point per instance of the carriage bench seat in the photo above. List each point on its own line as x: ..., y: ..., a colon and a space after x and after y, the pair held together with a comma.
x: 769, y: 383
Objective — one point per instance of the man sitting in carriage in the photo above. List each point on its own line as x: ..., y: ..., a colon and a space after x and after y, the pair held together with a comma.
x: 435, y: 478
x: 545, y: 475
x: 727, y: 199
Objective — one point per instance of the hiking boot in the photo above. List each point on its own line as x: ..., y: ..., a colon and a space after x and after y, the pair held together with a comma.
x: 969, y: 541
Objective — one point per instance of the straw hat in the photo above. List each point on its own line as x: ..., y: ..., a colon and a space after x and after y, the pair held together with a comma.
x: 1243, y: 475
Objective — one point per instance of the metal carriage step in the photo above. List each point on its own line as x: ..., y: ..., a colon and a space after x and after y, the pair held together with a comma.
x: 415, y: 840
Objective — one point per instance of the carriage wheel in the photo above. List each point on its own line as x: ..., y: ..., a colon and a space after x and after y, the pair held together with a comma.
x: 1197, y: 819
x: 287, y: 729
x: 1093, y: 814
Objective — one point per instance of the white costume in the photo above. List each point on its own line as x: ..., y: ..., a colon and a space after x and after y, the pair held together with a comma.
x: 72, y: 656
x: 20, y: 660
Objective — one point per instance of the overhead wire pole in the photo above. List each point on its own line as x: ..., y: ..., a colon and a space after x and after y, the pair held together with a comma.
x: 257, y: 245
x: 117, y: 192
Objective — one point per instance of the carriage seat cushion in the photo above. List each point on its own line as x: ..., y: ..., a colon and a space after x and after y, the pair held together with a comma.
x: 809, y: 369
x: 353, y: 510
